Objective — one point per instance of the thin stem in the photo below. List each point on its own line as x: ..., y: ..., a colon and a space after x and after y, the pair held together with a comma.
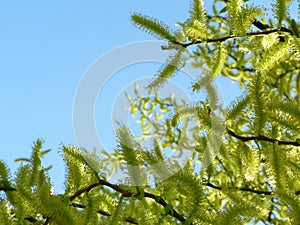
x: 222, y: 39
x: 261, y: 138
x: 47, y: 220
x: 7, y: 188
x: 104, y: 213
x: 208, y: 184
x: 126, y: 193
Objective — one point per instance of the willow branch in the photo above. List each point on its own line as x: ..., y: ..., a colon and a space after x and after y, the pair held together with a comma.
x: 260, y: 25
x: 47, y: 220
x: 127, y: 193
x: 261, y: 138
x: 222, y: 39
x: 208, y: 184
x: 116, y: 188
x: 271, y: 211
x: 102, y: 183
x: 7, y: 188
x: 104, y: 213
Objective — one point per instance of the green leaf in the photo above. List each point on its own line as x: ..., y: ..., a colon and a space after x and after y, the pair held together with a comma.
x: 195, y: 28
x: 22, y: 160
x: 223, y: 10
x: 280, y: 10
x: 295, y: 28
x: 188, y: 221
x: 44, y: 152
x: 153, y: 26
x: 141, y: 193
x: 169, y: 209
x: 157, y: 199
x: 173, y: 64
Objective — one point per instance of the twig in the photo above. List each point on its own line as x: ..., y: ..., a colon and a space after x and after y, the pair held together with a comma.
x: 261, y: 138
x: 116, y: 188
x: 47, y: 220
x: 104, y: 213
x: 7, y: 188
x: 222, y: 39
x: 102, y: 183
x: 271, y: 211
x: 127, y: 193
x: 208, y: 184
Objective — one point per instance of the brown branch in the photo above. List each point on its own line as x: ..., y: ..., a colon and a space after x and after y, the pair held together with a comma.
x: 104, y: 213
x: 260, y: 25
x: 130, y: 220
x: 261, y: 138
x: 242, y: 68
x: 7, y: 188
x: 102, y: 183
x: 208, y: 184
x: 116, y: 188
x: 47, y: 221
x: 162, y: 202
x: 255, y: 191
x: 127, y: 193
x: 31, y: 219
x: 84, y: 190
x: 271, y: 211
x: 222, y: 39
x: 212, y: 186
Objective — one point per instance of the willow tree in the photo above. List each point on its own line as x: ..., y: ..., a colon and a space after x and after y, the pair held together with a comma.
x: 254, y: 178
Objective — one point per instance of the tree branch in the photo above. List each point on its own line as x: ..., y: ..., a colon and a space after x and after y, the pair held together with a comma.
x: 208, y: 184
x: 127, y: 193
x: 47, y: 220
x: 104, y: 213
x: 260, y: 25
x: 271, y: 211
x: 7, y: 188
x: 222, y: 39
x: 116, y: 188
x: 102, y: 183
x: 261, y: 138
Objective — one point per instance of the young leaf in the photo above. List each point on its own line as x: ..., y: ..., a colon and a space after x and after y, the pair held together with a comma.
x: 280, y: 10
x: 153, y: 26
x: 295, y: 28
x: 167, y: 70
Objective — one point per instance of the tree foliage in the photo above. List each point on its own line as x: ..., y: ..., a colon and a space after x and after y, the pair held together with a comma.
x: 255, y: 177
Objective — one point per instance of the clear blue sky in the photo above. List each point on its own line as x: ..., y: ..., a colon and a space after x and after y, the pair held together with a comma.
x: 45, y: 48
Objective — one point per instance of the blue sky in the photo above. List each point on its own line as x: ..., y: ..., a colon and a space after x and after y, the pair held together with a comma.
x: 46, y: 46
